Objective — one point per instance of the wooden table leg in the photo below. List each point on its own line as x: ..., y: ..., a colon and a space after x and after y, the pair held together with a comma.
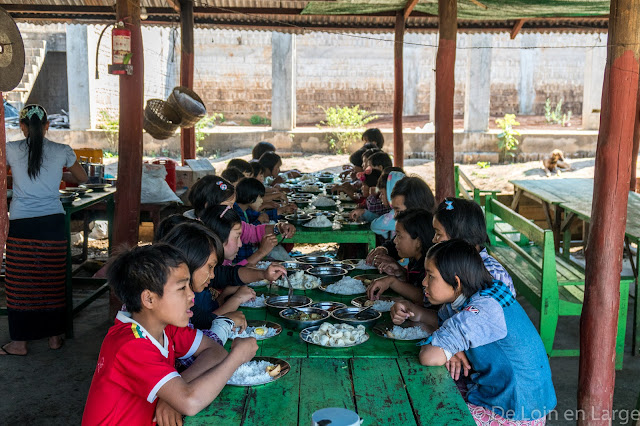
x: 565, y: 228
x: 556, y: 227
x: 516, y: 200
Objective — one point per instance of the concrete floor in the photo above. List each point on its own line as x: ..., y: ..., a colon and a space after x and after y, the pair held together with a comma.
x: 50, y: 387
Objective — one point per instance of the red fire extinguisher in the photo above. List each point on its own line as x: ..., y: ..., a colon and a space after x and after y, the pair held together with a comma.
x: 120, y: 48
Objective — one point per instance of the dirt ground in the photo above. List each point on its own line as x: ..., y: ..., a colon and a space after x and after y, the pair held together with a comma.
x: 50, y: 387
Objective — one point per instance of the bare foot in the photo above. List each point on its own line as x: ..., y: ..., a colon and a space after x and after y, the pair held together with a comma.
x: 14, y: 348
x: 56, y: 342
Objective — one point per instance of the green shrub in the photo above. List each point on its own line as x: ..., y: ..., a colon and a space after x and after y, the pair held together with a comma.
x: 348, y: 123
x: 257, y: 120
x: 206, y: 122
x: 507, y: 139
x: 555, y: 115
x: 111, y: 125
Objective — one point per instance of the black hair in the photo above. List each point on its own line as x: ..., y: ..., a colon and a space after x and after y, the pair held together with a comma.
x: 369, y: 152
x: 248, y: 190
x: 196, y: 242
x: 356, y: 158
x: 380, y: 159
x: 372, y: 178
x: 35, y: 118
x: 261, y: 148
x: 390, y: 169
x: 211, y: 190
x: 416, y: 192
x: 257, y: 168
x: 142, y: 268
x: 239, y: 164
x: 373, y: 135
x: 382, y: 180
x: 419, y: 225
x: 232, y: 175
x: 220, y: 219
x: 463, y: 219
x: 167, y: 224
x: 269, y: 160
x: 457, y: 258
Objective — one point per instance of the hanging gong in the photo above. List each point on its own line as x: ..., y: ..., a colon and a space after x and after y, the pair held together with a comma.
x: 11, y: 53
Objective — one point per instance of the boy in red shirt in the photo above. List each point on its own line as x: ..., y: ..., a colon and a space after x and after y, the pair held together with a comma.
x: 135, y: 381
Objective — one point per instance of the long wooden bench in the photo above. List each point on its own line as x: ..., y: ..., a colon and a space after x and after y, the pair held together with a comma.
x: 552, y: 284
x: 465, y: 188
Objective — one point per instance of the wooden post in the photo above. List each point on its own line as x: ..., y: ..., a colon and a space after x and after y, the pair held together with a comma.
x: 127, y: 211
x: 599, y: 320
x: 398, y: 86
x: 636, y: 145
x: 187, y: 136
x: 445, y: 87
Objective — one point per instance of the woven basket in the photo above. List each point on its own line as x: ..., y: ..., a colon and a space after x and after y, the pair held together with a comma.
x: 189, y: 118
x: 160, y: 119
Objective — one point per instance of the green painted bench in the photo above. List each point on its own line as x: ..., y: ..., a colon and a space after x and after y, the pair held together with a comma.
x: 554, y: 285
x: 466, y: 189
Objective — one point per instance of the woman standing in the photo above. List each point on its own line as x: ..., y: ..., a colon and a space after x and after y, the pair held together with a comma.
x: 36, y: 245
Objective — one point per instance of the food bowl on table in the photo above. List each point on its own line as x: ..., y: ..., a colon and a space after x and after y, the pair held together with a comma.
x: 64, y: 192
x: 344, y: 265
x: 298, y: 219
x: 77, y: 189
x: 292, y: 266
x: 325, y: 178
x: 328, y: 274
x: 347, y: 315
x: 301, y: 202
x: 353, y: 223
x: 301, y: 318
x: 277, y: 303
x: 314, y: 260
x: 96, y: 187
x: 349, y: 206
x: 328, y: 214
x: 67, y: 199
x: 328, y: 305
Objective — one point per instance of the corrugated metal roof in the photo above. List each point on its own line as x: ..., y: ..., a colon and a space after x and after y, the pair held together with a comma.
x: 284, y: 15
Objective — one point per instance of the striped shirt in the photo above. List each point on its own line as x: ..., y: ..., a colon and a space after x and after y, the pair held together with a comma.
x: 496, y: 270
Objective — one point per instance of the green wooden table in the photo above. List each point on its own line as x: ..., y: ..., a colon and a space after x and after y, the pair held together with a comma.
x: 570, y: 200
x: 338, y: 234
x: 80, y: 204
x: 381, y: 380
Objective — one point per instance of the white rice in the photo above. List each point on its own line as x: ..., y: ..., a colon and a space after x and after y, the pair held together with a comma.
x: 259, y: 302
x: 347, y: 285
x: 319, y: 222
x: 300, y: 281
x: 382, y: 305
x: 263, y: 264
x: 323, y: 202
x: 344, y: 197
x: 258, y: 283
x: 409, y: 333
x: 251, y: 373
x: 307, y: 178
x: 310, y: 188
x: 364, y: 265
x: 250, y: 332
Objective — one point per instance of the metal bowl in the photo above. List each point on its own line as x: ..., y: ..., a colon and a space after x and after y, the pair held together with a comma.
x: 97, y: 187
x: 328, y: 214
x: 296, y: 324
x: 344, y: 265
x: 68, y: 192
x: 314, y: 260
x: 67, y: 199
x: 328, y: 305
x: 349, y: 206
x: 325, y: 178
x: 79, y: 190
x: 347, y: 315
x: 302, y: 203
x: 291, y: 266
x: 328, y: 273
x: 277, y: 303
x: 298, y: 218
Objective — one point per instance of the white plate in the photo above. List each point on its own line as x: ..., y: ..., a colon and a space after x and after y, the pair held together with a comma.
x: 381, y: 329
x: 284, y: 366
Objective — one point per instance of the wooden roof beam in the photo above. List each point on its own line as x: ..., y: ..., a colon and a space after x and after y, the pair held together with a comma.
x: 175, y: 5
x: 409, y: 8
x: 517, y: 27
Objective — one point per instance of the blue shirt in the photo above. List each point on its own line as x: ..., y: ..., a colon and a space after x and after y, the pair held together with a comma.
x: 511, y: 374
x: 39, y: 196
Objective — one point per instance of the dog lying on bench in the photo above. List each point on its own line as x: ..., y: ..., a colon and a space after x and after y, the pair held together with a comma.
x: 555, y: 162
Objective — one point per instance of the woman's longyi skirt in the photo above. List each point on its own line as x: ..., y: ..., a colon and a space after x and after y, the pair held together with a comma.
x: 35, y: 277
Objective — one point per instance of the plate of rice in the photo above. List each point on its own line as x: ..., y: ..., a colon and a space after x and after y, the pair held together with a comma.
x: 363, y: 265
x: 260, y: 283
x: 345, y: 286
x: 260, y: 330
x: 259, y: 371
x: 299, y: 281
x: 407, y: 331
x: 383, y: 304
x: 319, y: 223
x: 257, y: 303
